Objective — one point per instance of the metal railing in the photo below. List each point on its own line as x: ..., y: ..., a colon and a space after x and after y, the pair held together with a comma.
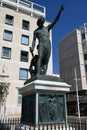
x: 25, y: 6
x: 14, y: 124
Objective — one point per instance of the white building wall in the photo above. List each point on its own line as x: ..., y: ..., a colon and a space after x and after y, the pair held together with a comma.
x: 71, y: 56
x: 13, y: 65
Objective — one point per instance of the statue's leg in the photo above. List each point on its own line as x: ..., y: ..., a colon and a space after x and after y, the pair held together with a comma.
x: 46, y: 61
x: 41, y: 51
x: 45, y: 66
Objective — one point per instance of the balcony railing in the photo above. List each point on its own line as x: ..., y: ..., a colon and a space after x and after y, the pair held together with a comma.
x: 25, y: 6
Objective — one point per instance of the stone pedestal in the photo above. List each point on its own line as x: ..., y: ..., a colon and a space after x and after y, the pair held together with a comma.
x: 44, y: 100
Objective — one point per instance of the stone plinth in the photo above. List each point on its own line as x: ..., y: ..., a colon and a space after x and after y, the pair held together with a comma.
x: 44, y: 100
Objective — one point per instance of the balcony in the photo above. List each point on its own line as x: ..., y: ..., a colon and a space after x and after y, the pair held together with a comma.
x: 25, y: 6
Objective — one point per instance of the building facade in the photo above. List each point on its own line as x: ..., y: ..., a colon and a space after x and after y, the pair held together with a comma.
x: 73, y: 68
x: 18, y: 20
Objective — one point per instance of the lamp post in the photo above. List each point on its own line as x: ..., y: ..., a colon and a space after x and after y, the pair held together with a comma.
x: 77, y: 95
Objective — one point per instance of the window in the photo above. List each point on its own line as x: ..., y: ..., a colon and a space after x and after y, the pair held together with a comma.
x: 19, y: 101
x: 86, y: 68
x: 25, y: 24
x: 24, y: 56
x: 23, y: 74
x: 9, y: 20
x: 25, y: 40
x: 83, y: 36
x: 85, y: 56
x: 6, y: 52
x: 7, y: 35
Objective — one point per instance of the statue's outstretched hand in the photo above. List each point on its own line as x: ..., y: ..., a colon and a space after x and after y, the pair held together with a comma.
x: 61, y: 8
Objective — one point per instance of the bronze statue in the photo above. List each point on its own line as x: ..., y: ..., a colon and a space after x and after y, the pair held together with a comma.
x: 33, y: 64
x: 44, y: 45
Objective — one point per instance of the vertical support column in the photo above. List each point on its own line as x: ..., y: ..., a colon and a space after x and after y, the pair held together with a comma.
x: 36, y: 109
x: 65, y: 107
x: 77, y: 92
x: 2, y: 110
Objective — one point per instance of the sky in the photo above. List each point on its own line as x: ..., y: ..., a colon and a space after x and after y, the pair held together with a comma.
x: 73, y: 16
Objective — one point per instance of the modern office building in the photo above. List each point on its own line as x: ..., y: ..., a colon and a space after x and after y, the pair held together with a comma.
x: 73, y: 68
x: 18, y: 20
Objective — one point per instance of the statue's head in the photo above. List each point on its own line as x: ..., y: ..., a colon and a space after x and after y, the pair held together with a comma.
x: 40, y: 21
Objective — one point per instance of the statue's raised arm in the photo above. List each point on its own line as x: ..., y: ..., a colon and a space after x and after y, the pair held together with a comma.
x: 57, y: 18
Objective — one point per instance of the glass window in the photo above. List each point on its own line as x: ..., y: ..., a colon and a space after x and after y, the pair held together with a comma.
x: 23, y: 74
x: 25, y: 24
x: 6, y: 52
x: 7, y: 35
x: 83, y: 36
x: 19, y: 101
x: 9, y: 20
x: 86, y: 68
x: 24, y: 56
x: 85, y: 56
x: 25, y: 40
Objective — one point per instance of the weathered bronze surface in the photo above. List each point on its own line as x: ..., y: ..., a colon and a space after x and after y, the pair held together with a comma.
x: 42, y: 33
x: 44, y: 77
x: 28, y: 109
x: 51, y: 108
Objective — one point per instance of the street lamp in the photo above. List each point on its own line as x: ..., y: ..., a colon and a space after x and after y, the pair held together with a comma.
x: 77, y: 95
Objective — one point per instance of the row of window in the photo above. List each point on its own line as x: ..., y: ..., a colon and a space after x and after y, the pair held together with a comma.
x: 10, y: 21
x: 8, y: 37
x: 6, y: 53
x: 8, y: 34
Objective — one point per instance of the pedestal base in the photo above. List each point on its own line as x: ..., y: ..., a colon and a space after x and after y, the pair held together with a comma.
x: 44, y: 108
x: 44, y: 102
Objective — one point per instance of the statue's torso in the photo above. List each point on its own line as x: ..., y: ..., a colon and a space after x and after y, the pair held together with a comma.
x: 43, y: 37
